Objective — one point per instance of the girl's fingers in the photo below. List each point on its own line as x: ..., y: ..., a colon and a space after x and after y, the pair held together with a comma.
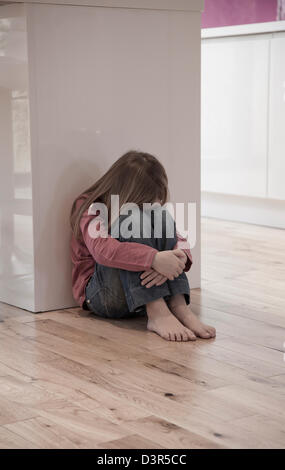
x: 157, y: 281
x: 162, y: 281
x: 151, y: 283
x: 180, y: 254
x: 149, y: 278
x: 146, y: 273
x: 182, y: 258
x: 178, y: 272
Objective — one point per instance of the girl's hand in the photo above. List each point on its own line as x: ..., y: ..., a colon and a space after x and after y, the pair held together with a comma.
x: 169, y: 263
x: 152, y: 278
x: 182, y: 255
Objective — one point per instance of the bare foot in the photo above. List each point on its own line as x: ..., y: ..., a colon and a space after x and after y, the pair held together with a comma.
x: 185, y: 315
x: 162, y: 322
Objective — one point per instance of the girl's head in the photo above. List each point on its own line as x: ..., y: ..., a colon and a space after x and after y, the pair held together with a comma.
x: 137, y: 177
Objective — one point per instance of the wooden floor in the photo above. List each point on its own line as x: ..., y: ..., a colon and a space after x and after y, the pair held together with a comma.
x: 71, y: 380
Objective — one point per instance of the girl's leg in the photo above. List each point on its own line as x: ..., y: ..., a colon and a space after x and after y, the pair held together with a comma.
x: 106, y: 297
x: 184, y: 314
x: 137, y: 295
x: 115, y: 293
x: 152, y: 300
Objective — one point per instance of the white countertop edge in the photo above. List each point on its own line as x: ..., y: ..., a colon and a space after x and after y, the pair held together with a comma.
x: 239, y: 30
x: 178, y: 5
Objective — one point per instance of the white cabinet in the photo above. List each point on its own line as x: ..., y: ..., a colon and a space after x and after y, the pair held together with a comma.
x: 234, y: 114
x: 276, y: 156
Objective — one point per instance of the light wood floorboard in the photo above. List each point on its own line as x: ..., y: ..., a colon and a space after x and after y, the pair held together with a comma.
x: 71, y: 380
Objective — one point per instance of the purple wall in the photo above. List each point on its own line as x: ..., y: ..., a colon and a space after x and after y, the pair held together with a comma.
x: 231, y: 12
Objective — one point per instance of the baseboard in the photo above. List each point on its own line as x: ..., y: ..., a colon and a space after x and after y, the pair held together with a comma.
x: 258, y: 211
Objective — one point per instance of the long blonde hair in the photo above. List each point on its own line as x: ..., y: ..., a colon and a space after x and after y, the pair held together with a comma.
x: 137, y: 177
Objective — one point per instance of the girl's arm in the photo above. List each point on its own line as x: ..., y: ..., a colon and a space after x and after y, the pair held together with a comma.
x: 115, y: 254
x: 124, y: 255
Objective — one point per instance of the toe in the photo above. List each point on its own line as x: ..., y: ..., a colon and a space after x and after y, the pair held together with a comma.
x: 178, y: 336
x: 185, y: 336
x: 212, y: 331
x: 205, y: 334
x: 191, y: 335
x: 181, y: 336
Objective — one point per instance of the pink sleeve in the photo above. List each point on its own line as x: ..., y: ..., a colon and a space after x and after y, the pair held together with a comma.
x: 183, y: 244
x: 115, y: 254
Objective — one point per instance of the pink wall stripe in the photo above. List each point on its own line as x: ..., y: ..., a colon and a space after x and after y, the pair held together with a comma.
x: 233, y: 12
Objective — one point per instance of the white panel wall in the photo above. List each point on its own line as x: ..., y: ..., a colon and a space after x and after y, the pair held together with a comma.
x: 103, y: 81
x: 234, y: 115
x: 276, y: 159
x: 16, y: 222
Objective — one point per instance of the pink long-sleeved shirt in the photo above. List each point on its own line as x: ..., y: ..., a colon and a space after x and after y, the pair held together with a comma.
x: 88, y: 251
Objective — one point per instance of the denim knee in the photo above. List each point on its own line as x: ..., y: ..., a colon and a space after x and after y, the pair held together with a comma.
x: 153, y: 226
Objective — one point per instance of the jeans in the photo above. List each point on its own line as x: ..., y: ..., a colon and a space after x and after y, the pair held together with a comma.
x: 118, y: 293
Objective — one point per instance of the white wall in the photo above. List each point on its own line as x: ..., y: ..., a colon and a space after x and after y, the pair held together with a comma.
x: 16, y: 223
x: 102, y: 81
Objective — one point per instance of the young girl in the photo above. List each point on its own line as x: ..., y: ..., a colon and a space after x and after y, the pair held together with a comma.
x: 124, y: 276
